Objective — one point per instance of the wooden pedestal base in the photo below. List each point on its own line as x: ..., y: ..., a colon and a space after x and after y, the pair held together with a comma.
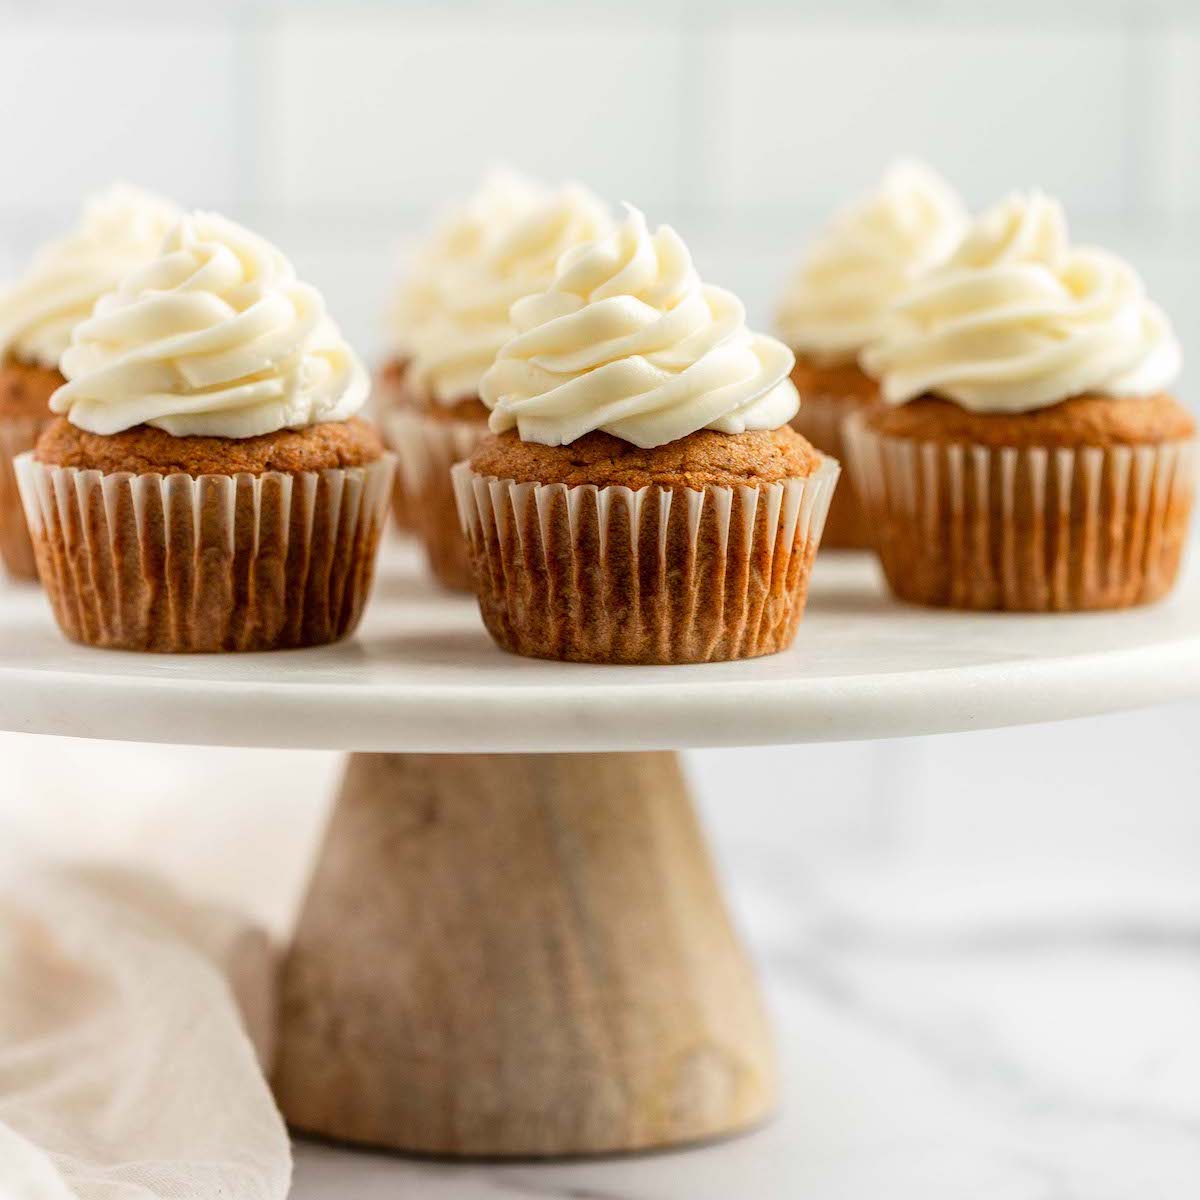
x: 519, y: 955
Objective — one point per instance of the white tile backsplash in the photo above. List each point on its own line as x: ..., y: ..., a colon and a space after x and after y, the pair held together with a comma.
x: 802, y: 115
x: 390, y: 112
x: 342, y: 126
x: 1173, y: 126
x: 85, y: 103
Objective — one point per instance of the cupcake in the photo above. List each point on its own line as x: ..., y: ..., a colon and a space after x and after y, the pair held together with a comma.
x: 834, y: 304
x: 119, y: 229
x: 503, y: 199
x: 207, y: 485
x: 465, y: 323
x: 641, y: 498
x: 1027, y: 455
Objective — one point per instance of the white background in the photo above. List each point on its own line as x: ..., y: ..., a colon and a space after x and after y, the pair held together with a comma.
x: 337, y: 127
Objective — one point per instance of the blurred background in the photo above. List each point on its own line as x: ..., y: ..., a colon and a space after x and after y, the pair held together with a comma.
x: 337, y: 128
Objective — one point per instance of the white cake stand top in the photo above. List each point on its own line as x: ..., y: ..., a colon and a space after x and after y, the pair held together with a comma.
x: 423, y: 675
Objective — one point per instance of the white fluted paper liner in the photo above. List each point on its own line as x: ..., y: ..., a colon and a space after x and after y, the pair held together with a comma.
x: 426, y: 448
x: 820, y: 420
x: 388, y: 396
x: 206, y: 563
x: 16, y: 436
x: 653, y: 575
x: 1035, y: 529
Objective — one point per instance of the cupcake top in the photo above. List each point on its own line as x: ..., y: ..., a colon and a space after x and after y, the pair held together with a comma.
x: 627, y: 340
x: 120, y: 228
x: 214, y: 337
x: 870, y: 252
x: 1019, y: 319
x: 470, y: 293
x: 504, y: 197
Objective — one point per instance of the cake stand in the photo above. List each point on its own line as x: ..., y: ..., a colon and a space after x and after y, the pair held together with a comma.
x: 514, y: 942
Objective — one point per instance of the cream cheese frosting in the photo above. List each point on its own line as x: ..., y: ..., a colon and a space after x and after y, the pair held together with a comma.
x: 467, y: 309
x: 504, y: 197
x: 871, y: 252
x: 1019, y: 319
x: 120, y: 228
x: 215, y: 337
x: 628, y: 340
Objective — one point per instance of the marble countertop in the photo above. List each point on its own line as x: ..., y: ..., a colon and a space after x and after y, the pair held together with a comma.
x: 1001, y: 1060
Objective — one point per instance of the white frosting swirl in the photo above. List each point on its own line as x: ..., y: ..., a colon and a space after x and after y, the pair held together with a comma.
x: 121, y: 228
x: 216, y: 337
x: 1018, y: 319
x: 868, y: 255
x: 468, y: 311
x: 504, y: 197
x: 629, y: 341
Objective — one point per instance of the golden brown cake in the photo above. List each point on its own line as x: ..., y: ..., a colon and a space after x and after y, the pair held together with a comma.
x: 846, y: 380
x: 390, y: 396
x: 429, y: 438
x: 702, y: 459
x: 829, y: 394
x: 641, y: 509
x: 391, y: 377
x: 451, y: 319
x: 241, y: 515
x: 1027, y: 455
x: 333, y: 445
x: 25, y: 391
x: 119, y: 228
x: 685, y: 559
x: 1090, y: 420
x: 834, y: 304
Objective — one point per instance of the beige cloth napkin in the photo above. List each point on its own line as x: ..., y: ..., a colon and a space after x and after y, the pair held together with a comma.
x: 133, y: 1029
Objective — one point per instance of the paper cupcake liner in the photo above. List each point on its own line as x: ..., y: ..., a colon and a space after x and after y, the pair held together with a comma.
x: 820, y: 420
x: 609, y: 574
x: 389, y: 396
x: 426, y: 448
x: 16, y: 436
x: 215, y: 562
x: 1027, y: 530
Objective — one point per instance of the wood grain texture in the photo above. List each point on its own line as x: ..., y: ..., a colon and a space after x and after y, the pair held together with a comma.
x: 519, y: 955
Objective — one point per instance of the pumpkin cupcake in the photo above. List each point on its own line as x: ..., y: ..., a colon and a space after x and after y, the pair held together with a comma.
x: 458, y: 237
x: 208, y: 485
x: 642, y: 498
x: 465, y: 322
x: 835, y: 302
x: 119, y: 229
x: 1027, y: 455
